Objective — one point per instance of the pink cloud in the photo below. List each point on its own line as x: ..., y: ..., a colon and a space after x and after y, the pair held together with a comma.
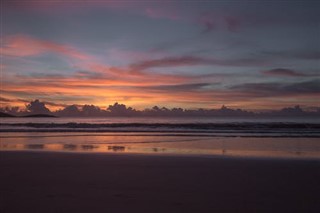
x: 22, y: 45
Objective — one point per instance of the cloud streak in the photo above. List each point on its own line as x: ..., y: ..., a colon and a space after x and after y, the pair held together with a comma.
x: 194, y: 61
x: 136, y: 84
x: 101, y: 52
x: 305, y: 88
x: 23, y: 46
x: 283, y: 72
x: 295, y: 54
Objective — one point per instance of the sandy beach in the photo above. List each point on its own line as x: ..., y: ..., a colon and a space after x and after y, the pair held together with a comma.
x: 83, y: 182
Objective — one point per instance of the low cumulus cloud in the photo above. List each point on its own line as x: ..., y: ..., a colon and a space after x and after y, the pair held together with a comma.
x: 37, y: 107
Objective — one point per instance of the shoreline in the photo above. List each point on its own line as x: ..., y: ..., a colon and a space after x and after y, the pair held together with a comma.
x: 34, y: 181
x: 278, y: 157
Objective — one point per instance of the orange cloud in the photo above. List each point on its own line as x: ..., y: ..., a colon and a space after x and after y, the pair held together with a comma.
x: 103, y: 92
x: 97, y: 74
x: 136, y: 85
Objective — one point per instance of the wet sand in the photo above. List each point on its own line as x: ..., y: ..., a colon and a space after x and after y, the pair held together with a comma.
x: 82, y: 182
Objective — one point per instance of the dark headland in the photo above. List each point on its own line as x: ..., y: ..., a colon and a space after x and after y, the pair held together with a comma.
x: 7, y: 115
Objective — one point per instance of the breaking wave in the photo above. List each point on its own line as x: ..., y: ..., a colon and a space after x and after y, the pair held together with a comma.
x: 234, y: 129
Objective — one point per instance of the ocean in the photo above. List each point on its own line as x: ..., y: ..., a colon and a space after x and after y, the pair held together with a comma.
x: 293, y: 138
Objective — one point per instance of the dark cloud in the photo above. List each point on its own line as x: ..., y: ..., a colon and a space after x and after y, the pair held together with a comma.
x: 311, y: 55
x: 283, y: 72
x: 179, y: 87
x: 233, y: 24
x: 2, y: 99
x: 5, y: 99
x: 309, y: 87
x: 82, y: 74
x: 169, y: 62
x: 194, y: 60
x: 295, y: 54
x: 209, y: 26
x: 88, y: 75
x: 91, y: 110
x: 37, y: 107
x: 213, y: 20
x: 44, y: 76
x: 279, y: 89
x: 49, y: 103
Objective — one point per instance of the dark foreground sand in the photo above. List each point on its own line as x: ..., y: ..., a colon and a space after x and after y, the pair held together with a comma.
x: 63, y: 182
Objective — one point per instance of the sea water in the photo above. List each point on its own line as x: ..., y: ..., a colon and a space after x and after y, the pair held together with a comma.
x: 298, y: 138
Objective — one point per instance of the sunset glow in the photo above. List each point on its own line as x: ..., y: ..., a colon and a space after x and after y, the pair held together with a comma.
x: 254, y: 56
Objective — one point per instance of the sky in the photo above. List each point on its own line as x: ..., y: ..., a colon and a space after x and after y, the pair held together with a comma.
x: 253, y: 55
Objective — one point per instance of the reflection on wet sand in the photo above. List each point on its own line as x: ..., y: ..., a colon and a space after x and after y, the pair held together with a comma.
x: 147, y: 149
x: 117, y: 148
x: 89, y: 147
x: 224, y: 151
x: 155, y: 149
x: 34, y: 146
x: 258, y: 147
x: 69, y: 147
